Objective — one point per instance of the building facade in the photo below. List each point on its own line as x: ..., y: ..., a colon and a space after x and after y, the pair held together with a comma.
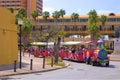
x: 81, y: 26
x: 34, y: 5
x: 30, y: 5
x: 8, y: 38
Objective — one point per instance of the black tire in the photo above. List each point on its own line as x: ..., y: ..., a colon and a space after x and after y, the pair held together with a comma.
x: 107, y: 64
x: 88, y: 60
x: 93, y: 63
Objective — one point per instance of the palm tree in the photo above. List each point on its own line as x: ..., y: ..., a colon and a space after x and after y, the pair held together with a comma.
x: 56, y: 15
x: 45, y: 15
x: 17, y: 16
x: 26, y: 27
x: 62, y: 13
x: 34, y: 15
x: 62, y: 33
x: 74, y: 17
x: 103, y: 19
x: 26, y: 30
x: 23, y: 12
x: 93, y: 24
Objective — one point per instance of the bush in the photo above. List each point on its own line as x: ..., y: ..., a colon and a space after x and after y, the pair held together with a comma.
x: 60, y: 62
x: 109, y: 51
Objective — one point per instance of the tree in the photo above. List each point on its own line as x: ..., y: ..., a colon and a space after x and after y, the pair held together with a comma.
x: 56, y: 15
x: 62, y: 13
x: 23, y: 12
x: 17, y: 16
x: 74, y: 17
x: 11, y: 10
x: 26, y: 30
x: 62, y: 33
x: 26, y: 27
x: 45, y: 15
x: 93, y: 24
x: 103, y: 19
x: 34, y: 15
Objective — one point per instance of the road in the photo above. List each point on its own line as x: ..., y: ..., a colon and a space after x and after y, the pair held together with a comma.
x: 76, y: 71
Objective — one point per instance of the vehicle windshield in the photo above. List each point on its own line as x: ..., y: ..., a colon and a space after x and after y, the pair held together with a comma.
x: 92, y: 47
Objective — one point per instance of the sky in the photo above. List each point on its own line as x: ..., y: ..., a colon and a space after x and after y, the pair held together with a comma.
x: 82, y: 7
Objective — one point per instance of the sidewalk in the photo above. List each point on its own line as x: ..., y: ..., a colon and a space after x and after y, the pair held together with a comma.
x: 37, y: 67
x: 114, y: 57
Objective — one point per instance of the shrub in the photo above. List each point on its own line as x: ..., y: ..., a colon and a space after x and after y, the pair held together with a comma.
x: 109, y: 51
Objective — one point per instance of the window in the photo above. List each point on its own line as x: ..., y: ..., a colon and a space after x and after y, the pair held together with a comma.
x: 75, y: 28
x: 118, y: 19
x: 67, y: 20
x: 39, y: 20
x: 59, y: 20
x: 83, y: 20
x: 34, y: 28
x: 111, y: 27
x: 92, y: 47
x: 67, y: 28
x: 111, y: 20
x: 50, y: 20
x: 84, y: 27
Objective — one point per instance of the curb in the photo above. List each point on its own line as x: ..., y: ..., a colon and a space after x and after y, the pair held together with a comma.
x: 115, y: 60
x: 36, y: 71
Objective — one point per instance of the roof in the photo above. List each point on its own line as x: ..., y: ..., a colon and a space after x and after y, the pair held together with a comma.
x: 81, y: 16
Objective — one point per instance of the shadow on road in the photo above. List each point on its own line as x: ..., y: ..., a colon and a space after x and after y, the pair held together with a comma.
x: 11, y: 66
x: 7, y: 78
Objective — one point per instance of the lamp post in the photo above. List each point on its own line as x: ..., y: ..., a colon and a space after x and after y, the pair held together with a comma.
x: 20, y: 23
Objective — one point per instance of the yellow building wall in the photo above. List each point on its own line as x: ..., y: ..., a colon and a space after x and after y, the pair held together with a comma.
x: 8, y: 37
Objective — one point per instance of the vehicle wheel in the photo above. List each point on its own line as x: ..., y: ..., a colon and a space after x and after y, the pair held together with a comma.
x: 93, y: 63
x: 107, y: 64
x: 88, y: 60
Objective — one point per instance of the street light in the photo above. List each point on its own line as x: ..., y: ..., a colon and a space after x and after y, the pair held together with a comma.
x: 20, y: 23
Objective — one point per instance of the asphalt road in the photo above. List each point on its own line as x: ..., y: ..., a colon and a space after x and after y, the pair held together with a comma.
x: 76, y: 71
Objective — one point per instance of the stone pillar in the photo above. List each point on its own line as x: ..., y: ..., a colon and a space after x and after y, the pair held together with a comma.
x: 116, y: 46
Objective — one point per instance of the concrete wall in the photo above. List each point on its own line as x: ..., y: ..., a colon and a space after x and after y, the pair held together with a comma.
x: 8, y: 37
x: 116, y: 46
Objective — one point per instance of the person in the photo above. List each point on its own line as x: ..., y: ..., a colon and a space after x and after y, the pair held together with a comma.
x: 73, y: 50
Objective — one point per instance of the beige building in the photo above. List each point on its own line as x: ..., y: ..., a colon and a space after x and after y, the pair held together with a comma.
x: 8, y: 37
x: 81, y: 26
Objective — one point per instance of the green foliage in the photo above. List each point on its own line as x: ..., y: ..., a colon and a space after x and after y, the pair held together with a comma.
x: 109, y: 51
x: 27, y: 25
x: 18, y: 16
x: 62, y: 32
x: 103, y: 19
x: 74, y: 17
x: 93, y: 28
x: 34, y: 14
x: 60, y: 61
x: 23, y: 12
x: 11, y: 10
x: 56, y: 15
x: 45, y: 15
x: 62, y: 12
